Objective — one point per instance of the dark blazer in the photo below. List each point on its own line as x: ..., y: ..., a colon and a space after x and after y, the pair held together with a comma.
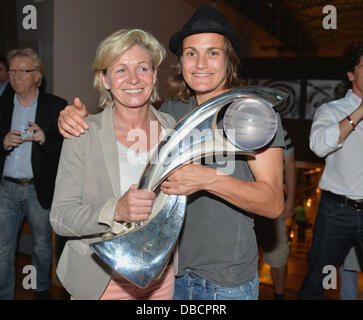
x: 44, y: 157
x: 7, y: 95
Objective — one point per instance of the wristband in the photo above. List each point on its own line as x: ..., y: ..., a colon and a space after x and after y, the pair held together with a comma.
x: 351, y: 122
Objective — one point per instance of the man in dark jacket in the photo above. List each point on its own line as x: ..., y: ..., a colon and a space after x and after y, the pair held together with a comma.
x: 29, y: 155
x: 6, y: 91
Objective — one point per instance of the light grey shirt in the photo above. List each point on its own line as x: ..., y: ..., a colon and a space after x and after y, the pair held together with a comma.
x: 18, y: 163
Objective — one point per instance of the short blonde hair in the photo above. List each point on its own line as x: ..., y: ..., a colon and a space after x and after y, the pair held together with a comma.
x: 115, y: 45
x: 29, y: 53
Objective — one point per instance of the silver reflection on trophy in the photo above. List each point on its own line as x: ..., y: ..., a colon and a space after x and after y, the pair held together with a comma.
x: 236, y: 122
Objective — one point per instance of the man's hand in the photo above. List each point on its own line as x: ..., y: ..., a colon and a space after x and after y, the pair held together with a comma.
x: 188, y: 179
x: 12, y: 139
x: 134, y: 205
x: 38, y: 135
x: 70, y: 121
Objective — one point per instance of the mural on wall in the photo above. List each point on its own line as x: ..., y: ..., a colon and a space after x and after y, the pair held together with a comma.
x: 290, y: 107
x: 318, y: 92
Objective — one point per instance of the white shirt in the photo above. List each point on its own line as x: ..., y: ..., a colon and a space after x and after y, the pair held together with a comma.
x: 132, y: 164
x: 343, y: 173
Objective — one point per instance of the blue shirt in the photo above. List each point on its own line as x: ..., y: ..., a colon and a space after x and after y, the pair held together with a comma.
x: 2, y: 87
x: 18, y: 163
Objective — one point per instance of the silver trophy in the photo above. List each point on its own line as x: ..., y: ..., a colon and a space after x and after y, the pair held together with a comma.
x: 239, y: 121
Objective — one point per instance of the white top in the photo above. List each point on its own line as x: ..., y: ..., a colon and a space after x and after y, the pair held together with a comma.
x: 343, y: 173
x: 131, y: 164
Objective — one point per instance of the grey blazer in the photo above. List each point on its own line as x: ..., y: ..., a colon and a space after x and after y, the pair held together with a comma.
x: 86, y: 192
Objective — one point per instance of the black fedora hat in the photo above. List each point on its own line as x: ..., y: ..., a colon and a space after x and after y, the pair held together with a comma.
x: 206, y: 19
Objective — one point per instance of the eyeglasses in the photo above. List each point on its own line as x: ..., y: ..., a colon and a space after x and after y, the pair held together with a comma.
x: 21, y: 72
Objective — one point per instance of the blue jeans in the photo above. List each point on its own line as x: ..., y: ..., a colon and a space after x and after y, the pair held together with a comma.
x: 192, y: 287
x: 348, y: 284
x: 337, y: 227
x: 17, y: 202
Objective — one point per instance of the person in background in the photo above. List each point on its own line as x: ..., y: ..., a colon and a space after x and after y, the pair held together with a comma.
x: 217, y: 253
x: 29, y: 155
x: 349, y: 289
x: 271, y: 234
x: 337, y: 135
x: 300, y: 219
x: 6, y: 91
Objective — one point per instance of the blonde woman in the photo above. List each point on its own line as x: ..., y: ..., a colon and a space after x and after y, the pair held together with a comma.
x: 96, y: 183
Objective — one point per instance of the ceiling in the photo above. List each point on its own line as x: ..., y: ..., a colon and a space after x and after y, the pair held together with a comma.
x: 299, y: 23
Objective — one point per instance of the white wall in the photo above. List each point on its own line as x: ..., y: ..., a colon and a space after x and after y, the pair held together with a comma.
x: 79, y: 27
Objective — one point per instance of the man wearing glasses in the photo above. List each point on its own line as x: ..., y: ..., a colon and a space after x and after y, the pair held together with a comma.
x: 29, y: 153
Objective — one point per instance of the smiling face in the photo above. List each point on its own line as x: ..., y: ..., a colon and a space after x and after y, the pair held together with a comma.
x: 131, y: 78
x: 357, y: 78
x: 204, y: 64
x: 23, y: 84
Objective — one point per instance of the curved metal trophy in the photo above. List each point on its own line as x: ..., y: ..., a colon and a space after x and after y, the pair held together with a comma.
x: 238, y: 121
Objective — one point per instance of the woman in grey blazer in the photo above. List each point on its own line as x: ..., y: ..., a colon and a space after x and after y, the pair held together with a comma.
x: 95, y: 193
